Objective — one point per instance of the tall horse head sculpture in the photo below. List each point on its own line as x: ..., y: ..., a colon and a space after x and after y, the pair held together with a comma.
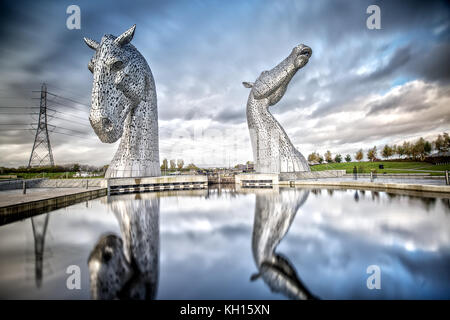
x: 124, y: 105
x: 273, y: 152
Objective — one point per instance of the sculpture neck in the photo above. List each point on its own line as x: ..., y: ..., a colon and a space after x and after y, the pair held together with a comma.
x: 138, y: 152
x: 140, y: 132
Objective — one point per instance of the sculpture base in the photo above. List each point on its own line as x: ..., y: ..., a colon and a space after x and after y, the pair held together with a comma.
x: 133, y: 170
x: 284, y: 178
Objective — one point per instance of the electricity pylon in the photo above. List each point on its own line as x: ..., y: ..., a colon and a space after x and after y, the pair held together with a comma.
x: 42, y: 155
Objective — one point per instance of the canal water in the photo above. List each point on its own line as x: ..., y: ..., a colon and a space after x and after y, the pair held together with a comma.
x: 286, y: 243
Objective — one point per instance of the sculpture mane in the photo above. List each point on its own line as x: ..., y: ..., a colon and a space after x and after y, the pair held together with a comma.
x: 273, y: 152
x: 124, y: 105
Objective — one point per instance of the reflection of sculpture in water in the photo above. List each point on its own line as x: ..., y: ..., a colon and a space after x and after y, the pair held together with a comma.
x: 127, y: 267
x: 274, y: 213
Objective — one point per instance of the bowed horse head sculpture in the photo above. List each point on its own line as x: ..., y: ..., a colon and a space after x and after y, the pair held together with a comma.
x: 273, y: 151
x: 124, y: 105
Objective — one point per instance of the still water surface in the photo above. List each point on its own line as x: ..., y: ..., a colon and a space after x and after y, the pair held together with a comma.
x: 228, y: 244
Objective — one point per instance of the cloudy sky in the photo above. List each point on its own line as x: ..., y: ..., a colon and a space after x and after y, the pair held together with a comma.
x: 360, y: 88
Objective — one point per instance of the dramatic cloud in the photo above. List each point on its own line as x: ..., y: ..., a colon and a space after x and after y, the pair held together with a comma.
x: 361, y: 87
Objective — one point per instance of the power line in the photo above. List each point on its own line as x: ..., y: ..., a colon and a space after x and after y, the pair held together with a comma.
x: 15, y: 124
x: 67, y: 106
x: 57, y: 132
x: 69, y: 114
x: 68, y: 134
x: 55, y: 117
x: 68, y: 99
x: 57, y: 127
x: 69, y: 92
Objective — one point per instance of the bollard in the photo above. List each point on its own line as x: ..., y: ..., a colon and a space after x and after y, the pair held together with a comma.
x: 87, y: 184
x: 447, y: 181
x: 24, y: 187
x: 371, y: 176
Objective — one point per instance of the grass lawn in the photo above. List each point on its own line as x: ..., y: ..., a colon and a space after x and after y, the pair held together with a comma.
x: 389, y: 167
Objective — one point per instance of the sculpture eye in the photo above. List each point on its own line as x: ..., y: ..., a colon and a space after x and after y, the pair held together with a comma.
x: 91, y: 66
x: 117, y: 65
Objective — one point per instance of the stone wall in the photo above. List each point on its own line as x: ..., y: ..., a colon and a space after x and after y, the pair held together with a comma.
x: 71, y: 183
x: 52, y: 183
x: 289, y: 176
x: 18, y: 184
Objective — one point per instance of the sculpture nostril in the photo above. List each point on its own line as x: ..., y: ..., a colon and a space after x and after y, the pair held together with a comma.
x: 306, y: 51
x: 106, y: 124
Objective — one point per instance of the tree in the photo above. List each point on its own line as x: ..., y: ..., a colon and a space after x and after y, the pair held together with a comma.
x: 387, y: 152
x: 359, y: 155
x: 313, y: 157
x: 348, y: 158
x: 76, y: 167
x: 192, y: 166
x: 372, y: 154
x: 173, y: 165
x: 338, y: 158
x: 421, y: 148
x: 428, y: 147
x: 328, y: 156
x: 400, y: 151
x: 180, y: 164
x: 407, y: 149
x: 439, y: 143
x: 320, y: 159
x: 446, y: 142
x: 164, y: 165
x: 442, y: 142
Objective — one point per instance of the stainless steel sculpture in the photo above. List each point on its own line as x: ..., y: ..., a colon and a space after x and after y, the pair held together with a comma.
x: 124, y: 106
x: 274, y: 212
x: 127, y: 267
x: 273, y: 152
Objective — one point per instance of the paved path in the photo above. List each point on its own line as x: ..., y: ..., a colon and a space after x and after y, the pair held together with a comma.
x: 9, y: 198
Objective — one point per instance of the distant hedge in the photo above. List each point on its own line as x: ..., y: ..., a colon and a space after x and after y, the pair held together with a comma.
x: 33, y: 169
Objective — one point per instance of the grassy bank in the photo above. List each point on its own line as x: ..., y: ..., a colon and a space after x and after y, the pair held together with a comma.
x: 389, y: 167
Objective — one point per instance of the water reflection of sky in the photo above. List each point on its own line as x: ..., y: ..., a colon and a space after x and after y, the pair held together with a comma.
x: 206, y: 246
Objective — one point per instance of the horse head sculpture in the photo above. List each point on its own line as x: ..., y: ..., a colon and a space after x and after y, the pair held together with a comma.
x: 124, y: 105
x: 273, y: 151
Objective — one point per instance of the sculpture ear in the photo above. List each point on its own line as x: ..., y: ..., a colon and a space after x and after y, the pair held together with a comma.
x: 125, y: 37
x: 255, y: 276
x: 91, y: 43
x: 248, y: 84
